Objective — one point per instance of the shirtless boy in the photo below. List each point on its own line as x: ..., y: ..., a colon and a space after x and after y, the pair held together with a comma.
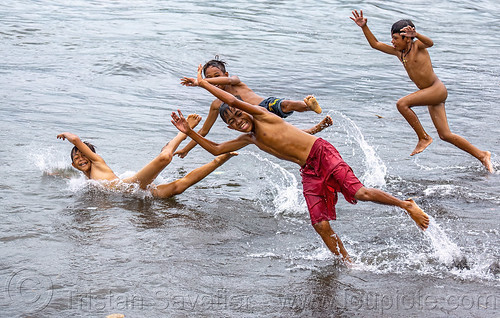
x: 432, y: 92
x: 215, y: 73
x: 323, y: 171
x: 85, y: 159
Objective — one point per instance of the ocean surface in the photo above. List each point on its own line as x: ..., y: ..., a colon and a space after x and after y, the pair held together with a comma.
x: 240, y: 243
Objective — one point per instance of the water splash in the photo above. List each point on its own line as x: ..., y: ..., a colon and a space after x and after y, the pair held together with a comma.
x: 445, y: 250
x: 49, y: 161
x: 375, y: 172
x: 284, y: 188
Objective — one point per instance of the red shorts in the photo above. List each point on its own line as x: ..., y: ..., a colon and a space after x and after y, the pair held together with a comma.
x: 324, y: 174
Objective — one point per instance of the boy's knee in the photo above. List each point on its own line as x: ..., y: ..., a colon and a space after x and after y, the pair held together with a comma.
x: 165, y: 158
x: 446, y: 136
x: 402, y: 106
x: 323, y: 228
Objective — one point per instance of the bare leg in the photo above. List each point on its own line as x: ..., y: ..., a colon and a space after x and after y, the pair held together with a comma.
x: 332, y: 240
x: 309, y: 103
x: 149, y: 172
x: 438, y: 115
x: 178, y: 186
x: 325, y: 122
x: 381, y: 197
x: 424, y: 140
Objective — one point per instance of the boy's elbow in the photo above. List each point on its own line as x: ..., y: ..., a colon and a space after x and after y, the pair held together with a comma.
x: 216, y: 152
x: 232, y: 101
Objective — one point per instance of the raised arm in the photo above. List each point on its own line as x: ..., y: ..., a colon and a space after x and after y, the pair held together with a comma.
x: 214, y: 148
x: 372, y: 40
x: 228, y: 98
x: 85, y: 150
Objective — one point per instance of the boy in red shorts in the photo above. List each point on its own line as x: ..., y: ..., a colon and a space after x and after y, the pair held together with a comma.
x: 323, y: 171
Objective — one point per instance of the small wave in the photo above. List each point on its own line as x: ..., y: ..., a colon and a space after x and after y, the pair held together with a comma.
x: 137, y: 65
x: 126, y: 69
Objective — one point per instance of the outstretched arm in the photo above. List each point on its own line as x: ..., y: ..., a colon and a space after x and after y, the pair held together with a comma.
x: 214, y: 148
x: 228, y: 98
x: 75, y: 140
x: 372, y: 40
x: 221, y: 80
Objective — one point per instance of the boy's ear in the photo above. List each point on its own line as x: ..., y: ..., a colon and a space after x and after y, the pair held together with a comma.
x: 74, y: 166
x: 227, y: 74
x: 230, y: 127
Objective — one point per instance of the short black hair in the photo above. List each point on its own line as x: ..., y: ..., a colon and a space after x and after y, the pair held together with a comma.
x: 398, y: 25
x: 223, y: 110
x: 75, y: 149
x: 216, y: 62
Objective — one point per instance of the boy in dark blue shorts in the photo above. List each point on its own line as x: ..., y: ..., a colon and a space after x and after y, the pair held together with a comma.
x: 215, y: 73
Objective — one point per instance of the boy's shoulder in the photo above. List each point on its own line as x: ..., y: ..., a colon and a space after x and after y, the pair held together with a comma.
x: 216, y: 103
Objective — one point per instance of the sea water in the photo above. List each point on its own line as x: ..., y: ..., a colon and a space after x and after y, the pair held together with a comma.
x: 240, y: 242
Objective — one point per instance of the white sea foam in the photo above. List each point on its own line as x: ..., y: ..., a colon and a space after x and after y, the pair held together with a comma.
x: 443, y: 189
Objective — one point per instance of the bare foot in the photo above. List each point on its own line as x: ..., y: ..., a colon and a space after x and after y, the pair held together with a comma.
x: 312, y: 103
x: 421, y: 145
x: 325, y: 122
x: 225, y: 157
x: 193, y: 120
x: 417, y: 214
x: 486, y: 161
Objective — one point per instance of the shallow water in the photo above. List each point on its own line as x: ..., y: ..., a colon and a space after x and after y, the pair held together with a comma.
x: 240, y: 243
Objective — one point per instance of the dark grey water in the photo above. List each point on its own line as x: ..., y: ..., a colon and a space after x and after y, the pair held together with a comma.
x: 239, y: 243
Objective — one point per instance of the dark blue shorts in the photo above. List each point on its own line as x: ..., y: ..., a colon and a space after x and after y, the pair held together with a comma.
x: 273, y: 105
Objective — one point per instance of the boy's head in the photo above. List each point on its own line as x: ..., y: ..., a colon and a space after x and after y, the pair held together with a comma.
x: 397, y: 26
x: 78, y: 160
x: 217, y: 63
x: 75, y: 149
x: 236, y: 119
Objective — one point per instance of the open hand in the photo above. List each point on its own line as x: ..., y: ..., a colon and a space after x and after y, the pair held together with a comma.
x: 180, y: 122
x: 189, y: 81
x: 358, y: 18
x: 181, y: 153
x: 200, y: 76
x: 408, y: 31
